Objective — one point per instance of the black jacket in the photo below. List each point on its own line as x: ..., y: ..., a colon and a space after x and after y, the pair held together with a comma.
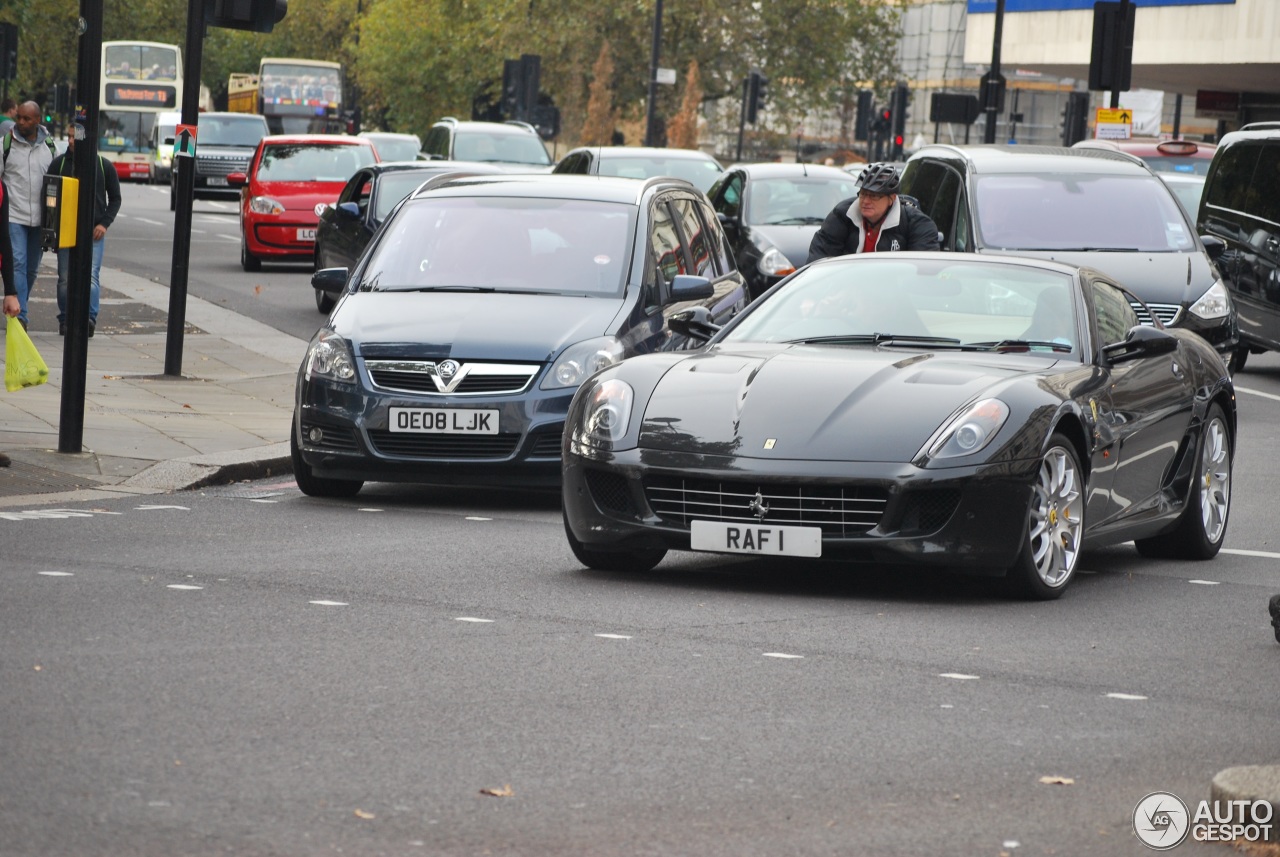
x: 106, y: 185
x: 905, y: 227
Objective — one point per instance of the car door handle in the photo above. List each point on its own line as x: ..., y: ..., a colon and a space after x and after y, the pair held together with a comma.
x: 1176, y: 369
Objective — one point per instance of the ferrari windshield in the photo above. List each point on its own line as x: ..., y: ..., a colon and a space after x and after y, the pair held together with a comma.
x: 556, y: 246
x: 959, y: 304
x: 1080, y: 212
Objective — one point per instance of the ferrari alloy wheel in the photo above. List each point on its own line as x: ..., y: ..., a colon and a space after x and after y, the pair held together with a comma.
x: 317, y: 486
x: 1203, y: 524
x: 1055, y: 525
x: 623, y: 560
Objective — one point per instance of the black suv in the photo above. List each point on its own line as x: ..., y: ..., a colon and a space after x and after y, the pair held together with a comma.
x: 513, y: 143
x: 1094, y: 207
x: 224, y: 144
x: 1241, y: 207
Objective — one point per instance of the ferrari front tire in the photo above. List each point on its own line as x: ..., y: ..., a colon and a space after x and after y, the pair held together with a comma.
x: 625, y: 560
x: 1054, y: 526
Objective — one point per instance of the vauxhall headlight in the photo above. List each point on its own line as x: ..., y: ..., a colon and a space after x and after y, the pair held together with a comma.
x: 265, y: 205
x: 1215, y: 303
x: 607, y: 414
x: 328, y: 356
x: 969, y: 431
x: 579, y: 362
x: 774, y: 264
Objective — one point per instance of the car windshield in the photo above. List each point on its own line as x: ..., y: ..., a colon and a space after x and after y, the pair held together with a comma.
x: 1079, y: 212
x: 701, y: 173
x: 951, y: 304
x: 550, y: 246
x: 312, y: 162
x: 396, y: 148
x: 516, y: 148
x: 243, y: 131
x: 796, y: 201
x: 395, y: 186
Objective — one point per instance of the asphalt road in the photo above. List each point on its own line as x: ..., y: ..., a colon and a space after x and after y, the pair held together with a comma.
x: 246, y: 670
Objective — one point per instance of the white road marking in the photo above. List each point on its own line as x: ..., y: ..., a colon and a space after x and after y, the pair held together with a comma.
x: 1124, y: 696
x: 230, y: 237
x: 1205, y: 582
x: 154, y: 508
x: 477, y: 518
x: 471, y: 619
x: 257, y: 500
x: 782, y: 655
x: 961, y: 676
x: 198, y: 232
x: 152, y: 222
x: 944, y: 705
x: 614, y: 636
x: 55, y: 514
x: 1258, y: 393
x: 1265, y: 554
x: 370, y: 510
x: 330, y: 603
x: 183, y: 586
x: 56, y: 573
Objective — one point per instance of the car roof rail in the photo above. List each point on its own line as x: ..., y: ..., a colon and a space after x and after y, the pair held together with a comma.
x: 1269, y: 125
x: 521, y: 124
x: 452, y: 120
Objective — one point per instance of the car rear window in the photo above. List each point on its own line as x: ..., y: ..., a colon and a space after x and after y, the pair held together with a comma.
x: 702, y: 174
x: 1080, y: 212
x: 231, y: 130
x: 556, y: 246
x: 500, y: 148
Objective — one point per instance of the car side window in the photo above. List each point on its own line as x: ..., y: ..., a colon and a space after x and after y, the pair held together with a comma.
x: 716, y: 240
x: 963, y: 230
x: 666, y: 256
x: 352, y: 189
x: 1232, y: 175
x: 1114, y: 313
x: 924, y: 184
x: 728, y: 200
x: 695, y: 237
x: 944, y: 205
x: 437, y: 142
x: 574, y: 164
x: 1262, y: 200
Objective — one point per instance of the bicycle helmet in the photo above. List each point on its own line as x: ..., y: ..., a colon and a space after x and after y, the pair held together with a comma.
x: 878, y: 178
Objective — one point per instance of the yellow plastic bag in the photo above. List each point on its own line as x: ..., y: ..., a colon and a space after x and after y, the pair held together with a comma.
x: 23, y: 366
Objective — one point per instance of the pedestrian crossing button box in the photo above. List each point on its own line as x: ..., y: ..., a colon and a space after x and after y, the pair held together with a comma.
x: 61, y: 203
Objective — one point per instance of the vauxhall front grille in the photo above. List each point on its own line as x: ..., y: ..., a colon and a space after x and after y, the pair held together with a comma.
x: 460, y: 379
x: 841, y: 511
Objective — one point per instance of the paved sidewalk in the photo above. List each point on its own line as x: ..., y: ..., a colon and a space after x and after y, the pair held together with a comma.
x: 227, y: 417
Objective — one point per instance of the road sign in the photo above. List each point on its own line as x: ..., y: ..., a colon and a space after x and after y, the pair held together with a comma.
x: 184, y: 141
x: 665, y: 76
x: 1112, y: 123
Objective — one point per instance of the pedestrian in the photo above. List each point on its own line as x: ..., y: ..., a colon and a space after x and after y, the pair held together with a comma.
x: 880, y: 221
x: 8, y: 109
x: 106, y: 205
x: 11, y: 305
x: 28, y: 152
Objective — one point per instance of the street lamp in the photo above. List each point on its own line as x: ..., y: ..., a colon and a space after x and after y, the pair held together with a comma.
x: 650, y: 110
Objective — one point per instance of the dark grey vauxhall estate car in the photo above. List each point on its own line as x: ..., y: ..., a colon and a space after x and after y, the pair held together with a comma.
x: 1094, y: 207
x: 478, y: 309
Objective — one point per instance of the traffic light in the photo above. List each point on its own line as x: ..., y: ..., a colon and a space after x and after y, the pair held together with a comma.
x: 901, y: 95
x: 1075, y: 118
x: 862, y: 121
x: 884, y: 121
x: 260, y: 16
x: 8, y: 51
x: 757, y: 86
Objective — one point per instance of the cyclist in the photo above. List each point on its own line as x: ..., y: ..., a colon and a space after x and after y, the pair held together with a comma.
x: 880, y: 221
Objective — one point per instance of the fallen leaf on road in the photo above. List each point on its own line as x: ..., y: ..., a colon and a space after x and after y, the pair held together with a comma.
x: 112, y: 377
x: 1058, y: 781
x: 505, y: 791
x: 360, y: 813
x: 188, y: 407
x: 257, y: 290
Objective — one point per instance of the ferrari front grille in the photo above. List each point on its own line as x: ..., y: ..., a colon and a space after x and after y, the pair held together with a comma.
x: 842, y: 511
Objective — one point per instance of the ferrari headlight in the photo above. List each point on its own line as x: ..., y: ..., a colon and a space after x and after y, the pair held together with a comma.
x: 579, y: 362
x: 1215, y: 303
x: 265, y: 205
x: 607, y: 414
x: 328, y: 356
x: 970, y: 431
x: 774, y: 264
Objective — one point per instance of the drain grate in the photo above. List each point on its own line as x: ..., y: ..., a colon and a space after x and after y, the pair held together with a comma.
x: 19, y: 479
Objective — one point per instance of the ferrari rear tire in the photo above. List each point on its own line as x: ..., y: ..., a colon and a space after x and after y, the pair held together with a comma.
x: 628, y: 561
x: 1202, y: 526
x: 1054, y: 526
x: 248, y: 261
x: 318, y: 486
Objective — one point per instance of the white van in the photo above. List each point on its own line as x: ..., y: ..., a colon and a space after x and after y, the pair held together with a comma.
x: 162, y: 146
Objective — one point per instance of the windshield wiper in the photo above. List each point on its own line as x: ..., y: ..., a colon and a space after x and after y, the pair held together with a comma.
x: 1018, y: 345
x: 1078, y: 249
x: 876, y: 339
x: 792, y: 221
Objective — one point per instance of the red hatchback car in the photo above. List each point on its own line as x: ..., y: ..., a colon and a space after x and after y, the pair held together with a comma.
x: 290, y: 179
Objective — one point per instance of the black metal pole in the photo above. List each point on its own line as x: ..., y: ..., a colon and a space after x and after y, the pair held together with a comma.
x: 651, y: 108
x: 1177, y: 115
x: 1123, y: 48
x: 186, y: 167
x: 742, y: 118
x: 992, y: 107
x: 75, y: 348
